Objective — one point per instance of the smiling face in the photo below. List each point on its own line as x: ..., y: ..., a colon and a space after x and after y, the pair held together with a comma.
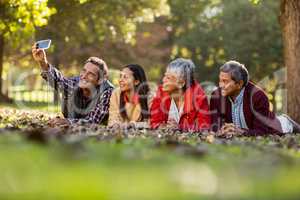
x: 89, y: 76
x: 228, y: 86
x: 171, y: 82
x: 127, y: 81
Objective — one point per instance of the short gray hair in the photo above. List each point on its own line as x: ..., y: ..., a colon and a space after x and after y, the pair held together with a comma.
x: 237, y: 71
x: 184, y: 68
x: 103, y: 69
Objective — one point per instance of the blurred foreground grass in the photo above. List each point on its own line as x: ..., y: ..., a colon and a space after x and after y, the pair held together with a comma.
x: 145, y: 167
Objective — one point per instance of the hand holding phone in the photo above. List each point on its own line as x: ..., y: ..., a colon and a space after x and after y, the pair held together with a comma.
x: 43, y: 44
x: 39, y: 55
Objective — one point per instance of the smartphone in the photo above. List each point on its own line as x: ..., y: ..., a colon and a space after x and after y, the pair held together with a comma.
x: 43, y: 44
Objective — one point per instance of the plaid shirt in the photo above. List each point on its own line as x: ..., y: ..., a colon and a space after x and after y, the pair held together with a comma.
x: 237, y: 112
x: 68, y: 85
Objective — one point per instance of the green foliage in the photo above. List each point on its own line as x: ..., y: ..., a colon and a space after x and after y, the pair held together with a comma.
x: 212, y: 32
x: 255, y: 1
x: 22, y: 17
x: 18, y: 21
x: 81, y: 28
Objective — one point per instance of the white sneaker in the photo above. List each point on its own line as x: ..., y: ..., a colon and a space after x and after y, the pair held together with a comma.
x: 296, y: 126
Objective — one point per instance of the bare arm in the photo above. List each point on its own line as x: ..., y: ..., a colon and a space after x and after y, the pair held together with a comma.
x: 40, y: 57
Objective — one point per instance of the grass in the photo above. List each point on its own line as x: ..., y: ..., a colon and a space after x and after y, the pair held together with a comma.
x: 146, y: 167
x: 138, y: 169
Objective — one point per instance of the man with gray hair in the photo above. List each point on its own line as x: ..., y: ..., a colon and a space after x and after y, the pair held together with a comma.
x: 85, y: 97
x: 180, y: 101
x: 238, y: 106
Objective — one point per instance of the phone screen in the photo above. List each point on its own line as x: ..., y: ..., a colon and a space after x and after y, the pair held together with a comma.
x: 43, y: 44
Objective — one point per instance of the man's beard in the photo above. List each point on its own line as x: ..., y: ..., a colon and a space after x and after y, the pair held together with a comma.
x: 83, y: 84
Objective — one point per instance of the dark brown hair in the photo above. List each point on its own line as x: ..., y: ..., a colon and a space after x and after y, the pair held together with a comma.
x: 142, y: 89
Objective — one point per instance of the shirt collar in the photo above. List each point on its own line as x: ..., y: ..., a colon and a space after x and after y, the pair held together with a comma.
x: 239, y: 98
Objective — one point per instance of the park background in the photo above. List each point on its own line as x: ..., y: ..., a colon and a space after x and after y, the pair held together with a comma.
x: 262, y: 34
x: 150, y: 33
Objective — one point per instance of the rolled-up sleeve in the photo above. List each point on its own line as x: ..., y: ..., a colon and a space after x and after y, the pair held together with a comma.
x: 56, y: 80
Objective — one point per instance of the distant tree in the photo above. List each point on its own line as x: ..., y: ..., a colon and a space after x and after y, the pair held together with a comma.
x: 212, y: 32
x: 18, y: 20
x: 83, y: 27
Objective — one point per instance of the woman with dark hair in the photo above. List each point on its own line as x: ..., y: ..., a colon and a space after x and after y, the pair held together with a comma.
x: 129, y: 102
x: 180, y: 101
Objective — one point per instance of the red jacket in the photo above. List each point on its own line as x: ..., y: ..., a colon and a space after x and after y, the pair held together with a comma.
x: 195, y: 116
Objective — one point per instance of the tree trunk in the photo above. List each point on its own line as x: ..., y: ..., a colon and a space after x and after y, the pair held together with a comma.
x: 290, y: 25
x: 1, y: 61
x: 3, y: 97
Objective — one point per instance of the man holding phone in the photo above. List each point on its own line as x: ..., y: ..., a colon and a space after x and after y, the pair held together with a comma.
x: 85, y: 97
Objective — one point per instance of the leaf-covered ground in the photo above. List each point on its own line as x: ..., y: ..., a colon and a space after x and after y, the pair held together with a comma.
x: 95, y: 162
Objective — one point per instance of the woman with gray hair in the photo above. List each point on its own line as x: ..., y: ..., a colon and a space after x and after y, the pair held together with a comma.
x: 180, y: 101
